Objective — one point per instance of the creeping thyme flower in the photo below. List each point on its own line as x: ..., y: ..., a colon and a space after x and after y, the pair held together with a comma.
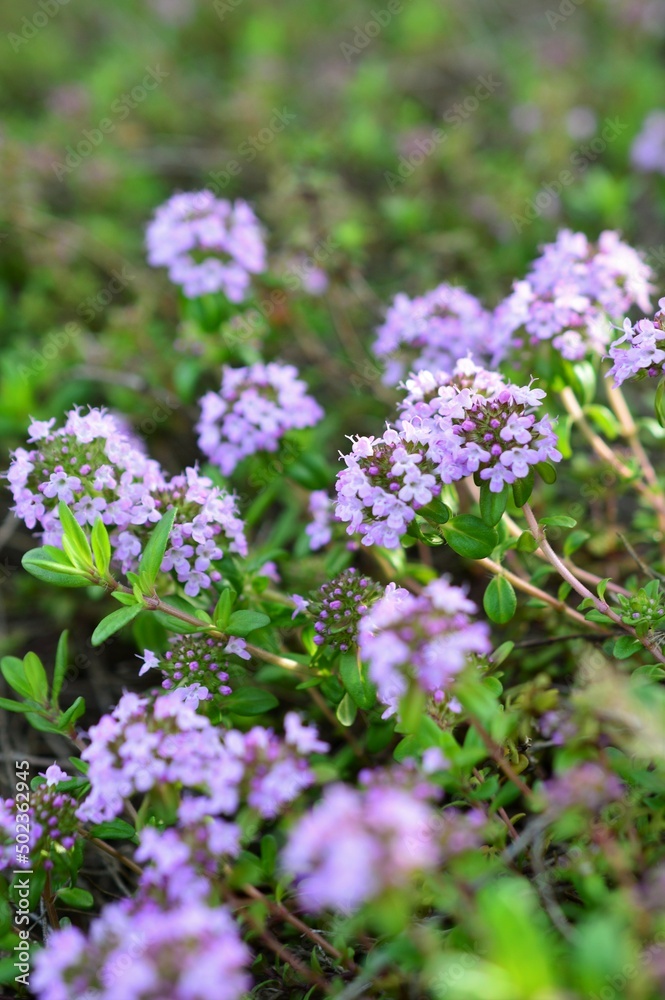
x: 586, y: 785
x: 140, y: 949
x: 50, y: 822
x: 576, y: 286
x: 357, y: 843
x: 474, y: 422
x: 385, y: 481
x: 428, y: 637
x: 98, y: 471
x: 194, y: 659
x: 338, y: 607
x: 179, y: 863
x: 208, y: 244
x: 434, y: 330
x: 640, y: 352
x: 319, y: 530
x: 648, y: 150
x: 142, y: 745
x: 252, y: 411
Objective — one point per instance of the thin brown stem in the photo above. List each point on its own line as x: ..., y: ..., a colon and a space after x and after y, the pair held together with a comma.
x: 111, y: 851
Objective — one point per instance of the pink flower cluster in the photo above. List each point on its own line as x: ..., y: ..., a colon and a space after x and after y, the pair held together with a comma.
x: 208, y: 244
x: 196, y: 660
x: 99, y: 471
x: 319, y: 530
x: 145, y: 744
x: 428, y: 638
x: 451, y: 426
x: 435, y: 330
x: 252, y: 412
x: 641, y: 349
x: 573, y: 290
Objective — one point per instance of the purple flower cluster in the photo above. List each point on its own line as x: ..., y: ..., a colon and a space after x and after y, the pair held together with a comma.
x: 208, y: 244
x: 641, y: 349
x: 434, y: 331
x: 572, y: 291
x: 428, y: 638
x: 319, y: 530
x: 385, y: 481
x: 140, y: 949
x: 357, y: 843
x: 252, y: 411
x: 196, y: 660
x: 179, y: 863
x: 586, y: 785
x: 338, y: 607
x: 99, y: 471
x: 145, y: 744
x: 648, y: 150
x: 50, y: 820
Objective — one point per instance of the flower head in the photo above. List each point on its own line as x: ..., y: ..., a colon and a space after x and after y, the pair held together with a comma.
x: 208, y: 244
x: 640, y: 352
x: 338, y: 607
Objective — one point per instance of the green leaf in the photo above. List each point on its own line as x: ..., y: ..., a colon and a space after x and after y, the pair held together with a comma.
x: 626, y: 646
x: 243, y: 622
x: 224, y: 607
x: 81, y: 899
x: 13, y: 671
x: 526, y: 542
x: 36, y: 676
x: 73, y: 713
x: 250, y: 701
x: 60, y: 669
x: 575, y: 541
x: 602, y: 587
x: 347, y: 710
x: 523, y: 488
x: 501, y: 653
x: 354, y: 678
x: 411, y: 709
x: 604, y: 420
x: 52, y: 566
x: 500, y: 600
x: 268, y: 854
x: 74, y: 541
x: 469, y: 536
x: 559, y: 521
x: 116, y: 829
x: 436, y: 512
x: 660, y: 403
x: 492, y: 505
x: 101, y: 546
x: 14, y: 706
x: 153, y: 554
x: 546, y: 471
x: 114, y: 622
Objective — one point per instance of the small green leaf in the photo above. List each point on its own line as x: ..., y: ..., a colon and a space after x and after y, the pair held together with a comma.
x: 436, y: 512
x: 13, y: 670
x: 250, y: 701
x: 604, y: 419
x: 14, y: 706
x: 575, y: 541
x: 347, y: 710
x: 500, y: 600
x: 501, y: 653
x: 268, y: 854
x: 116, y: 829
x: 354, y: 678
x: 492, y: 505
x: 602, y: 587
x: 74, y: 541
x: 52, y: 566
x: 660, y: 403
x: 81, y: 899
x: 60, y: 669
x: 546, y: 471
x: 523, y: 488
x: 36, y: 676
x: 101, y: 546
x: 243, y: 622
x: 559, y: 521
x: 469, y: 536
x: 73, y: 713
x: 223, y: 608
x: 114, y: 622
x: 526, y: 542
x: 153, y: 554
x: 411, y: 709
x: 626, y: 646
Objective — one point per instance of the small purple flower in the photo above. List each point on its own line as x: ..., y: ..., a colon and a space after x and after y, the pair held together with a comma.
x: 640, y: 352
x: 338, y: 607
